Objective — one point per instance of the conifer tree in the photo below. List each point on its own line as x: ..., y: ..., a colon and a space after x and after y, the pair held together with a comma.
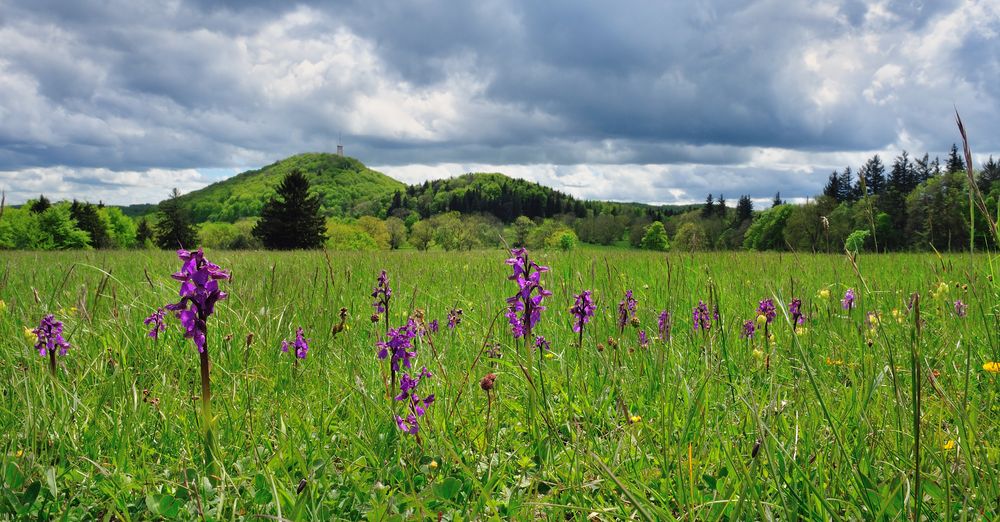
x: 173, y: 228
x: 291, y: 219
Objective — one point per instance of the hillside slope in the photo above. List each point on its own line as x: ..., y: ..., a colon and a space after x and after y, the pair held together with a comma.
x: 345, y: 186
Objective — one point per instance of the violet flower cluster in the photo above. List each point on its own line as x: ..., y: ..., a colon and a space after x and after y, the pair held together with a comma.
x: 542, y: 344
x: 626, y: 310
x: 381, y: 294
x: 582, y: 310
x: 847, y: 302
x: 748, y: 330
x: 795, y: 309
x: 454, y: 318
x: 525, y: 307
x: 49, y: 336
x: 199, y: 292
x: 434, y: 326
x: 417, y: 405
x: 155, y: 320
x: 301, y: 344
x: 399, y: 345
x: 961, y: 308
x: 701, y: 318
x: 643, y: 340
x: 663, y: 325
x: 767, y: 309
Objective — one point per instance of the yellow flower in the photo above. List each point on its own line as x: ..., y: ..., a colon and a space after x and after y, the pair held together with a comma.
x: 801, y: 330
x: 19, y: 454
x: 635, y: 419
x: 950, y: 445
x: 824, y: 293
x: 992, y: 367
x: 940, y: 290
x: 758, y: 353
x: 3, y: 306
x: 834, y: 362
x: 770, y: 338
x: 898, y: 316
x: 29, y: 335
x: 549, y: 355
x: 433, y: 464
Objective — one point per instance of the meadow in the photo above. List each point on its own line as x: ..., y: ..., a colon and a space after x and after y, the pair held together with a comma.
x: 887, y: 409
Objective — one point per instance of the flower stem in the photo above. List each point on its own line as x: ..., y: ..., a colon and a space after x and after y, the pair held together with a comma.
x: 206, y: 409
x: 52, y: 362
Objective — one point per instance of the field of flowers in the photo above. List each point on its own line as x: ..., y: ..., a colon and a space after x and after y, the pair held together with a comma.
x: 488, y: 385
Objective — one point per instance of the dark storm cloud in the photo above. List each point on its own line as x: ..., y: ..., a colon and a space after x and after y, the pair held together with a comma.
x: 699, y: 86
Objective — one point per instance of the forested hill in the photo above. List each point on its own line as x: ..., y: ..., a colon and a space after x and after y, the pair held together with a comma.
x: 346, y: 187
x: 507, y: 198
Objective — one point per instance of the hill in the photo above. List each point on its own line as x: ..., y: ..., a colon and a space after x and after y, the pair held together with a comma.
x: 345, y: 186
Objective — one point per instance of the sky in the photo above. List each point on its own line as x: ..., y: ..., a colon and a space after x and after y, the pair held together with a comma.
x: 657, y: 101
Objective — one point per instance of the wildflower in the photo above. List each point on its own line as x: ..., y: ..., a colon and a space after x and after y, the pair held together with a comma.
x: 542, y: 344
x: 381, y: 294
x: 847, y: 302
x: 960, y: 308
x: 417, y: 405
x: 156, y: 320
x: 643, y: 340
x: 433, y: 465
x: 872, y: 320
x: 767, y: 309
x: 795, y: 309
x: 3, y: 306
x: 626, y: 310
x: 635, y: 419
x: 948, y: 445
x: 525, y: 307
x: 582, y: 310
x: 824, y: 294
x: 399, y: 345
x: 801, y: 330
x: 301, y: 344
x: 663, y: 324
x: 29, y: 335
x: 488, y: 382
x: 48, y: 336
x: 199, y: 292
x: 898, y: 316
x: 940, y: 290
x: 434, y: 326
x: 702, y: 320
x: 992, y: 367
x: 747, y: 331
x: 834, y: 362
x: 454, y: 318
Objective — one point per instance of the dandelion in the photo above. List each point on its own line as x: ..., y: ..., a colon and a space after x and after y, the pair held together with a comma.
x: 454, y: 318
x: 300, y: 343
x: 582, y: 310
x: 626, y: 310
x: 381, y: 294
x: 748, y: 330
x: 525, y: 307
x: 156, y: 321
x: 767, y: 309
x: 960, y: 308
x: 48, y: 337
x: 701, y: 318
x: 992, y: 367
x: 847, y: 302
x: 663, y: 325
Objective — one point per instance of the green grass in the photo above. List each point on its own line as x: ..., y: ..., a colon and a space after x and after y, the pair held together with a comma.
x: 816, y: 426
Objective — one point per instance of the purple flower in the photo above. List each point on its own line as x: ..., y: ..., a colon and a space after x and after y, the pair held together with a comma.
x: 454, y: 318
x: 582, y: 310
x: 156, y: 320
x: 626, y: 310
x: 434, y: 326
x: 542, y: 344
x: 847, y: 302
x: 767, y: 309
x: 663, y: 323
x: 49, y: 336
x: 417, y: 405
x: 399, y: 345
x: 381, y: 294
x: 199, y: 292
x: 961, y: 308
x: 702, y: 320
x: 525, y: 307
x: 748, y: 330
x: 795, y: 308
x: 301, y: 344
x: 643, y: 340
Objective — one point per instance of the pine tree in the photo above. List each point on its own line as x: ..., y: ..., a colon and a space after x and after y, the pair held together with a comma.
x: 922, y: 169
x: 955, y: 162
x: 989, y: 175
x: 709, y: 208
x: 41, y: 205
x: 720, y: 206
x: 173, y: 228
x: 832, y: 189
x: 744, y: 210
x: 777, y: 200
x: 291, y: 219
x: 848, y: 190
x: 143, y: 233
x: 873, y: 173
x: 90, y: 222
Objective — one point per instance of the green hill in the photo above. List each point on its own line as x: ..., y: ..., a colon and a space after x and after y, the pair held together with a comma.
x: 345, y: 186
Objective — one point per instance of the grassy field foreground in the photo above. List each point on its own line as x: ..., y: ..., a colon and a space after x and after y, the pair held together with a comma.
x: 814, y: 421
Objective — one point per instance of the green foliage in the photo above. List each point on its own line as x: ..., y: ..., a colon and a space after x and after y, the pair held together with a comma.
x: 121, y: 228
x: 523, y: 226
x: 938, y: 212
x: 690, y: 237
x: 348, y: 237
x: 856, y: 241
x: 655, y: 237
x: 422, y: 234
x: 291, y: 218
x: 564, y: 240
x: 396, y: 229
x: 173, y: 226
x: 229, y: 236
x: 58, y: 231
x: 767, y: 231
x: 344, y: 186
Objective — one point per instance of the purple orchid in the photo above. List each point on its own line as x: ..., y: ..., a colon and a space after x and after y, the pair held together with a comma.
x: 156, y: 321
x: 582, y: 310
x: 525, y: 307
x: 663, y: 324
x: 626, y: 310
x: 199, y: 292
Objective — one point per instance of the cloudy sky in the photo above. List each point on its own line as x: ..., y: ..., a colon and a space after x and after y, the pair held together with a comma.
x: 658, y: 101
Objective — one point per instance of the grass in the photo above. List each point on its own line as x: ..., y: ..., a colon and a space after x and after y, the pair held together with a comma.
x: 822, y: 425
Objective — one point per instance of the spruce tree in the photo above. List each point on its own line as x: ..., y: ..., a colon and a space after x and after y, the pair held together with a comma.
x: 709, y: 208
x: 832, y: 188
x: 90, y: 222
x: 173, y: 228
x: 143, y: 233
x: 873, y: 172
x: 720, y: 206
x: 291, y: 219
x: 777, y: 200
x: 955, y: 162
x: 989, y: 175
x: 41, y: 205
x: 744, y: 210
